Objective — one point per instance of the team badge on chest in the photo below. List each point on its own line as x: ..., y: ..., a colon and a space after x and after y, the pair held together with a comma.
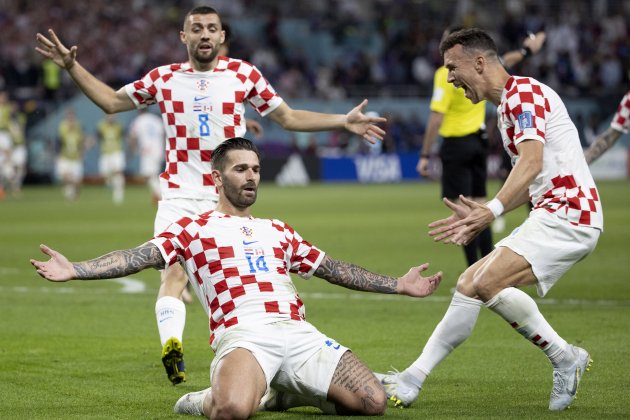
x: 203, y: 85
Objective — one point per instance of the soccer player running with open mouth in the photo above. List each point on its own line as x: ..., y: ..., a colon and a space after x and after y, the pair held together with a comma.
x: 550, y: 170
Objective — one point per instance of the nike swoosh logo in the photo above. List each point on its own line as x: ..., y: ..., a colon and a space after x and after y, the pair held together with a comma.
x: 249, y: 243
x: 200, y: 98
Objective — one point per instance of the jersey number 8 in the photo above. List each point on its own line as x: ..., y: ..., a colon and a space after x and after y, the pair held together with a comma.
x: 204, y: 127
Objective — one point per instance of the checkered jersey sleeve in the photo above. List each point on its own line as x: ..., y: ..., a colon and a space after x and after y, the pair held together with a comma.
x: 621, y: 120
x: 528, y: 110
x: 174, y: 241
x: 142, y: 92
x: 303, y: 258
x: 262, y: 96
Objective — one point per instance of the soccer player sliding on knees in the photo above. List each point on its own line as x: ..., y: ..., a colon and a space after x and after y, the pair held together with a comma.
x: 267, y: 356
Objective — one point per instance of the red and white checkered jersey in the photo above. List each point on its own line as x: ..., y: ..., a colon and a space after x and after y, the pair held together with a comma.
x: 240, y: 267
x: 621, y: 120
x: 199, y: 111
x: 530, y: 110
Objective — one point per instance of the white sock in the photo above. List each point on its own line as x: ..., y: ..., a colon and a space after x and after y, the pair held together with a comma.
x: 171, y: 318
x: 521, y: 312
x: 118, y: 188
x: 455, y: 327
x: 68, y: 192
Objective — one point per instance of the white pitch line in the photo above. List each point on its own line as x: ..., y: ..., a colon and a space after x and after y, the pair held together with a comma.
x: 131, y: 285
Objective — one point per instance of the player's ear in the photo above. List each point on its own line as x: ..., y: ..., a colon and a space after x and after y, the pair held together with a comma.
x: 182, y: 37
x: 480, y: 62
x: 216, y: 177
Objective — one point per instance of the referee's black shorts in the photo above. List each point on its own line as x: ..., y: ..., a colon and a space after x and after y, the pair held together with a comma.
x: 464, y: 165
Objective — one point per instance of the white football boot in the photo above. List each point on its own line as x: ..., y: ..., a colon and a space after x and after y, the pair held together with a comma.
x: 401, y: 392
x: 566, y: 381
x: 191, y: 403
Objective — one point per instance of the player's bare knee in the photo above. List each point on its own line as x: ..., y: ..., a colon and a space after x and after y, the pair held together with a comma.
x: 371, y: 402
x: 355, y: 390
x: 230, y: 407
x: 465, y: 284
x: 378, y: 404
x: 372, y: 399
x: 485, y: 285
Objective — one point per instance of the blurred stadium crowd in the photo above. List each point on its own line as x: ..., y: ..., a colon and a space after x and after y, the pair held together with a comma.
x: 323, y: 49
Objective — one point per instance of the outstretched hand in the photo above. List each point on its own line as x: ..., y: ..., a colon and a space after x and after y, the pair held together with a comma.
x: 57, y: 268
x: 53, y: 49
x: 359, y: 123
x: 468, y: 219
x: 413, y: 284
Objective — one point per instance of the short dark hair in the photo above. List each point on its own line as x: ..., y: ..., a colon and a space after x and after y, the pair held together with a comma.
x: 470, y: 39
x: 219, y: 155
x: 202, y: 10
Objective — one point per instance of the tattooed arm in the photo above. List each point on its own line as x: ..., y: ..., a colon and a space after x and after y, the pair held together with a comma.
x: 357, y: 278
x: 109, y: 266
x: 602, y: 143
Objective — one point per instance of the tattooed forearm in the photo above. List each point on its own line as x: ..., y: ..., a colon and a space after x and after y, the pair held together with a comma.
x: 602, y: 143
x: 354, y: 277
x: 120, y: 263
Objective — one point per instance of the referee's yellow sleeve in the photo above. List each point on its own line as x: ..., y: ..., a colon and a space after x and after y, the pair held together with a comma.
x: 442, y: 92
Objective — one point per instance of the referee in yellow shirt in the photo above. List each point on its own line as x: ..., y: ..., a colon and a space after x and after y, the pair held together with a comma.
x: 464, y: 150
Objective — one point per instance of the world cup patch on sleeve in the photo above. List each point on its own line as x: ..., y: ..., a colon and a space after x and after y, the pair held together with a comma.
x: 525, y: 120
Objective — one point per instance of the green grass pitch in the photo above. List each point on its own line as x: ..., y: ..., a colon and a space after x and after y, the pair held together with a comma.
x: 87, y: 350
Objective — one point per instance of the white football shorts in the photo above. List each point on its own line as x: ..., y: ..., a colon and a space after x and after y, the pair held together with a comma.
x: 111, y: 163
x: 19, y: 155
x: 294, y: 356
x: 71, y: 170
x: 551, y: 245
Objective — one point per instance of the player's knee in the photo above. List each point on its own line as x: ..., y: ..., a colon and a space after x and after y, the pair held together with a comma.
x: 485, y: 285
x: 230, y: 408
x: 378, y: 403
x: 371, y: 402
x: 465, y: 284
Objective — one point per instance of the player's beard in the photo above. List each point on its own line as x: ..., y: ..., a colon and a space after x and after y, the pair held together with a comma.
x: 205, y: 58
x: 238, y: 196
